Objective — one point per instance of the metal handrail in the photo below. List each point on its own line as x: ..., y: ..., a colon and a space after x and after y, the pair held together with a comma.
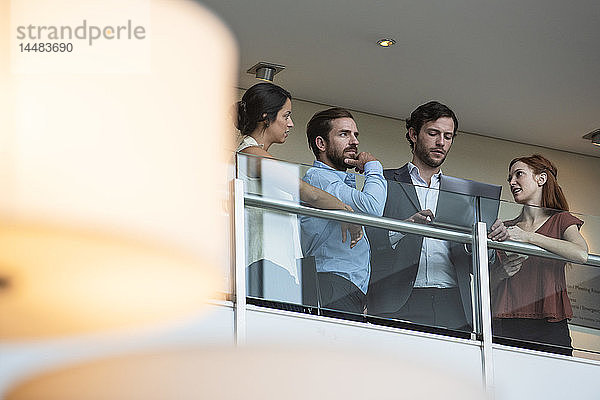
x: 359, y: 219
x: 253, y: 200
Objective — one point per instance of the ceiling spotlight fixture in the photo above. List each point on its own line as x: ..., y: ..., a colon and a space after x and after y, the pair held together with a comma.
x: 386, y: 42
x: 266, y: 71
x: 594, y: 136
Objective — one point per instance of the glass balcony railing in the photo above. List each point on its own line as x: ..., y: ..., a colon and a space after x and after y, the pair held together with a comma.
x: 423, y: 275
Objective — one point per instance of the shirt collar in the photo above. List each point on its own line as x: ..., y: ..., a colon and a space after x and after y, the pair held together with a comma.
x: 413, y: 170
x: 348, y: 178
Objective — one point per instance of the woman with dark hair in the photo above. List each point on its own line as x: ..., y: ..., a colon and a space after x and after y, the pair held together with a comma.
x: 263, y: 119
x: 529, y: 294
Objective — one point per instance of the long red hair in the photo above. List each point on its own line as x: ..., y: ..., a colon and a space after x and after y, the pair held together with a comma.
x: 552, y: 194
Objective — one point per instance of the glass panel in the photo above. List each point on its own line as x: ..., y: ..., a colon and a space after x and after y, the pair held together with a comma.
x: 422, y: 282
x: 276, y: 274
x: 269, y: 177
x: 583, y: 288
x: 401, y: 279
x: 273, y: 256
x: 374, y: 279
x: 543, y: 303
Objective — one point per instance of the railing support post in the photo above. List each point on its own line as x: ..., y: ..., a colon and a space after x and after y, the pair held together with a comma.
x: 481, y: 252
x: 240, y: 263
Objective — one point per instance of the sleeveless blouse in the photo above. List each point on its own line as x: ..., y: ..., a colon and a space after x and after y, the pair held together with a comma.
x: 269, y: 235
x: 539, y: 289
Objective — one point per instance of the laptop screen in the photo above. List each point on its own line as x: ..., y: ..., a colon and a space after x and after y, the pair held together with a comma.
x: 458, y: 199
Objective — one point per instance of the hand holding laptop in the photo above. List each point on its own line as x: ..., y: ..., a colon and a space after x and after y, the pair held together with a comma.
x: 422, y: 217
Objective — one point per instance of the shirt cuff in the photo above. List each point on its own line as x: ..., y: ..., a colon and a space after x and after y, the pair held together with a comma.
x: 374, y: 166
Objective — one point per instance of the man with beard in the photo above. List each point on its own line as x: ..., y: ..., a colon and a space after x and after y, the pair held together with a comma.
x: 415, y: 278
x: 343, y: 267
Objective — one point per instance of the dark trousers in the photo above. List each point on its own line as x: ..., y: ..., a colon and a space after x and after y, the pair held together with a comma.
x: 339, y: 294
x: 535, y: 334
x: 433, y: 307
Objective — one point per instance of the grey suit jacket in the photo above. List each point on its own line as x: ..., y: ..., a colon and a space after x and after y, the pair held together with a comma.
x: 393, y: 271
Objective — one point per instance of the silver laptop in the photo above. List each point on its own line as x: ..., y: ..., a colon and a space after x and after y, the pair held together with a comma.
x: 456, y: 207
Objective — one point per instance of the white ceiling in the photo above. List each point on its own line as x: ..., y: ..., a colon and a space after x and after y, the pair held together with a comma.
x: 523, y: 70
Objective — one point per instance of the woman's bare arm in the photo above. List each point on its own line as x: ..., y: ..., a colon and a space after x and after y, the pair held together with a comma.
x: 572, y: 246
x: 308, y: 193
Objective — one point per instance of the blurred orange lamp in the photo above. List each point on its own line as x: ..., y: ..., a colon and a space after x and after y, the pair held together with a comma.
x: 113, y: 184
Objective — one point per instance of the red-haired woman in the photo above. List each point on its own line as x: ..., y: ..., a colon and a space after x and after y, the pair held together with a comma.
x: 529, y: 294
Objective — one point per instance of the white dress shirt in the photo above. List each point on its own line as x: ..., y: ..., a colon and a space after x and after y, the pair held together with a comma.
x: 435, y: 268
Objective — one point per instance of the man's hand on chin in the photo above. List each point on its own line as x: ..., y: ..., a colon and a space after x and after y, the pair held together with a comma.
x: 361, y: 159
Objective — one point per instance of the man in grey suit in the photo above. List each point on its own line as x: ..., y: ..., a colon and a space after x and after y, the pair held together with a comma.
x: 415, y: 278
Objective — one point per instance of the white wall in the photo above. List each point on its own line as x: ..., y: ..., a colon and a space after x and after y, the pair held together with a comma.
x: 270, y: 330
x: 472, y: 156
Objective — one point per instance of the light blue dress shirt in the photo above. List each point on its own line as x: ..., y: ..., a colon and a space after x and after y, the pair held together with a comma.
x: 322, y: 238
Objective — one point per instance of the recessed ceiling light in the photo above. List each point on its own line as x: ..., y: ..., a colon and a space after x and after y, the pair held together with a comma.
x: 594, y: 136
x: 386, y: 42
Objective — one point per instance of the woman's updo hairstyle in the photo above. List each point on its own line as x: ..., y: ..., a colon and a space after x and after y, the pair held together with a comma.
x: 552, y: 194
x: 260, y: 103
